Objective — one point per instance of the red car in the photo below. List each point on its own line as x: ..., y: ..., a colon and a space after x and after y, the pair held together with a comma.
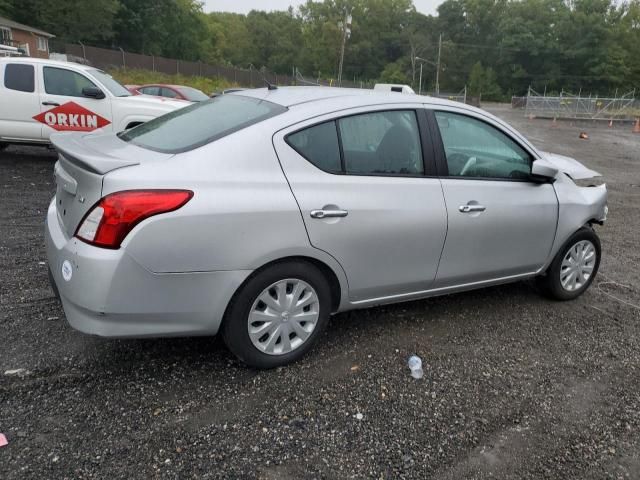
x: 178, y: 92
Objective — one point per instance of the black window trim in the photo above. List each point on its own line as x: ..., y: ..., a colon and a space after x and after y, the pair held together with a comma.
x: 429, y: 164
x: 441, y: 157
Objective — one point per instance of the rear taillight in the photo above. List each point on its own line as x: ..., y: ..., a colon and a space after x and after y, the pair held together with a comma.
x: 114, y: 216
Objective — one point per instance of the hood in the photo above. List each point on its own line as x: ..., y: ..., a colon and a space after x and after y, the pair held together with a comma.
x: 570, y: 166
x: 147, y: 103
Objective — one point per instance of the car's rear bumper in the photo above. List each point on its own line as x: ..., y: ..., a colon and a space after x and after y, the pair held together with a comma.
x: 111, y: 295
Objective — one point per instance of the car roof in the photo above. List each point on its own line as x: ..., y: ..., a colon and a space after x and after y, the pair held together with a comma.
x: 292, y: 96
x: 47, y: 62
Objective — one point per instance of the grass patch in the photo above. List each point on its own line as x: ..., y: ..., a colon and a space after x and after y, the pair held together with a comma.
x: 141, y: 77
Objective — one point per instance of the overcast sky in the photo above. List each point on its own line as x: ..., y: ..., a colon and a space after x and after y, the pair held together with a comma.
x: 244, y: 6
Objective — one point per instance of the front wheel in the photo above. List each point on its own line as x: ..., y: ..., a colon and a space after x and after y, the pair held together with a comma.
x: 276, y: 317
x: 574, y: 267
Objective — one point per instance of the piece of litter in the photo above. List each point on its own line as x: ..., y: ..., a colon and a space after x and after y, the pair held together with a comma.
x: 359, y: 416
x: 17, y: 371
x: 583, y: 136
x: 415, y: 365
x: 3, y: 440
x: 355, y: 368
x: 42, y: 263
x: 53, y: 318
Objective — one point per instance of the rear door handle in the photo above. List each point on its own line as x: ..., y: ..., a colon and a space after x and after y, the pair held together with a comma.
x: 51, y: 104
x: 471, y: 208
x: 328, y: 213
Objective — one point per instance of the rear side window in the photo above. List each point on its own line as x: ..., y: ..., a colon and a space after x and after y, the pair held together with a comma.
x: 319, y: 145
x: 201, y: 123
x: 382, y: 143
x: 377, y: 143
x: 19, y: 77
x: 59, y: 81
x: 167, y: 92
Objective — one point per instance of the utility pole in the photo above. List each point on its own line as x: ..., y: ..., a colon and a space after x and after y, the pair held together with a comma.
x: 346, y: 31
x: 438, y: 68
x: 420, y: 85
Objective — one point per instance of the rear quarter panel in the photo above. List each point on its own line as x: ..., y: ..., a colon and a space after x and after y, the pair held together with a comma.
x: 242, y: 216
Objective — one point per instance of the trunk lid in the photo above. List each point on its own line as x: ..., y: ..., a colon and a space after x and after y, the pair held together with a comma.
x: 83, y: 161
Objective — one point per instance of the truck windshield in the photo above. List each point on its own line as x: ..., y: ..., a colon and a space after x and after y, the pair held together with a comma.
x: 201, y: 123
x: 112, y: 85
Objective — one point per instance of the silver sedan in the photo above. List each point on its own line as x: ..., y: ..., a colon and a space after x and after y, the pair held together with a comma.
x: 260, y: 213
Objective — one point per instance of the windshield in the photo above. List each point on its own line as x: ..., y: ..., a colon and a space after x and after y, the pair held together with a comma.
x: 200, y: 123
x: 192, y: 94
x: 112, y: 85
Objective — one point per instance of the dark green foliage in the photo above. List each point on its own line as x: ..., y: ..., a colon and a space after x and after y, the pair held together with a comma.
x: 492, y: 46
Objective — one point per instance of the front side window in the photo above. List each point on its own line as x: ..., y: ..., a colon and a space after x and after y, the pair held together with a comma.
x: 60, y: 81
x: 20, y: 77
x: 201, y: 123
x: 476, y: 149
x: 382, y: 143
x: 377, y: 143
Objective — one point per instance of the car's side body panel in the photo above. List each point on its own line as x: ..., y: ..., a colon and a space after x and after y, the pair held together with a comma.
x: 391, y: 239
x: 403, y: 238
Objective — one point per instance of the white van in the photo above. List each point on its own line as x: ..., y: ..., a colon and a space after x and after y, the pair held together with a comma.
x: 392, y: 87
x: 40, y: 97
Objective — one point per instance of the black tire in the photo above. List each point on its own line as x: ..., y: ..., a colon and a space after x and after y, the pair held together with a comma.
x: 235, y: 330
x: 3, y: 146
x: 550, y: 283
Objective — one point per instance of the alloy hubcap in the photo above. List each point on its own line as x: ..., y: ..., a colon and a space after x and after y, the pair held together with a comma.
x: 577, y: 266
x: 283, y: 316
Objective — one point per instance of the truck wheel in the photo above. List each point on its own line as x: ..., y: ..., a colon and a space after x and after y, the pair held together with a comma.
x: 278, y: 314
x: 573, y: 268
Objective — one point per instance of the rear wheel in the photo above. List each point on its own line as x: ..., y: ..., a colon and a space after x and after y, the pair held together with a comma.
x: 574, y: 267
x: 277, y: 316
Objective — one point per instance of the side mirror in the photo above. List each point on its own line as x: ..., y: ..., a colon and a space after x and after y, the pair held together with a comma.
x: 93, y: 92
x: 543, y: 171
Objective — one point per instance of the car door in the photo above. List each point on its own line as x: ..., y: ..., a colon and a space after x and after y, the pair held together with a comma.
x: 360, y: 181
x: 20, y: 103
x: 501, y: 224
x: 64, y: 107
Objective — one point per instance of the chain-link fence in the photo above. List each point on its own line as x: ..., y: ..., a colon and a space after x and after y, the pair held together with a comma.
x: 105, y: 59
x: 567, y: 105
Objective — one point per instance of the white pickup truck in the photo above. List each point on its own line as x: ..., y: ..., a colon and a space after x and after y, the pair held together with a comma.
x: 40, y: 97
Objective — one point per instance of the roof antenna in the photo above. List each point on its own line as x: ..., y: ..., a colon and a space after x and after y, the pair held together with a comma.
x: 270, y: 86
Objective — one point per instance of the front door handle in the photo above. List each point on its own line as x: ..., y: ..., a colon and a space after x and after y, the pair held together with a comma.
x: 328, y: 213
x: 471, y: 208
x: 51, y: 104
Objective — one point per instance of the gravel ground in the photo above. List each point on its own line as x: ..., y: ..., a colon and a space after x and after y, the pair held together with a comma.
x: 515, y: 386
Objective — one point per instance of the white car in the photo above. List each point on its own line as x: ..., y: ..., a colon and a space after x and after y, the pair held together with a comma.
x: 40, y: 97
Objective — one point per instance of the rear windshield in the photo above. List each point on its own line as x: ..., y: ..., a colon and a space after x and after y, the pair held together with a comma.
x: 200, y: 123
x: 192, y: 94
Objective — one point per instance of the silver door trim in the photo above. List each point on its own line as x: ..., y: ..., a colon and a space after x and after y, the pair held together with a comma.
x: 443, y: 290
